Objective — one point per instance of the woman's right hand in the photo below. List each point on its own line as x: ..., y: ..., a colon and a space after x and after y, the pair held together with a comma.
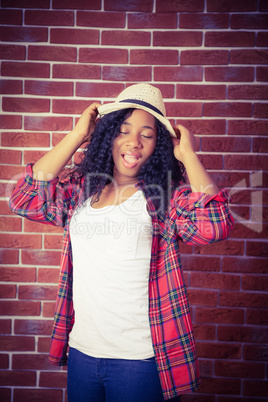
x: 87, y: 122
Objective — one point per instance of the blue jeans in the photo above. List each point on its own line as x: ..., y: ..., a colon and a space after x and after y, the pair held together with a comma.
x: 92, y: 379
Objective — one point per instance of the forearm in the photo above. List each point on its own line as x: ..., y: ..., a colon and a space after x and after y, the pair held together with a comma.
x: 199, y: 179
x: 50, y: 165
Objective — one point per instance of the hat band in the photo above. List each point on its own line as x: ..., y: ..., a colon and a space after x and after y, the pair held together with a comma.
x: 142, y: 103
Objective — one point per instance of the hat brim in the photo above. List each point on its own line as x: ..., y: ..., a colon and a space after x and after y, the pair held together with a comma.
x: 113, y: 107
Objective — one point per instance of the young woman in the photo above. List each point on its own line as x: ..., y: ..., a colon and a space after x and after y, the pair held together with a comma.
x: 122, y: 305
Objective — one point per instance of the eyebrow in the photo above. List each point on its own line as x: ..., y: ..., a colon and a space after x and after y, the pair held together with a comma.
x: 129, y: 124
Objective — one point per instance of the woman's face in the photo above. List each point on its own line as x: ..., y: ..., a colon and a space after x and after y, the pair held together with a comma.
x: 134, y: 145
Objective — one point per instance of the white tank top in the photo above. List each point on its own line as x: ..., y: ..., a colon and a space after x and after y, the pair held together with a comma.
x: 111, y: 255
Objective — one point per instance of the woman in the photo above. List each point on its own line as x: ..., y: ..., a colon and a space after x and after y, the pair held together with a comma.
x: 122, y: 303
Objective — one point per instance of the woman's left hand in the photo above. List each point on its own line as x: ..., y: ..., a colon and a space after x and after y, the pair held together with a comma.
x: 184, y: 144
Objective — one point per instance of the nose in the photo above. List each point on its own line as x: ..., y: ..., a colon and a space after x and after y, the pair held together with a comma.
x: 134, y: 140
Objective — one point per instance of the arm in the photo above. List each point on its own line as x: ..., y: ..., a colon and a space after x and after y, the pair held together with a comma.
x: 199, y: 178
x: 51, y: 164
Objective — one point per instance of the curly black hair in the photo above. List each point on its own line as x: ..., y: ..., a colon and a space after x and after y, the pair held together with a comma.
x: 161, y: 172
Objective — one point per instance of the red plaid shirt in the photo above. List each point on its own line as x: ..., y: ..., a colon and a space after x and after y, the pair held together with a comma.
x: 194, y: 218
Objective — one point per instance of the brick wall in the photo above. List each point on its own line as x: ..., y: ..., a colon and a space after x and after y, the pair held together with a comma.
x: 209, y: 58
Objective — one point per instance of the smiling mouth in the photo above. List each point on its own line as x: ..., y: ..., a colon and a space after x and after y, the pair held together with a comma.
x: 130, y: 160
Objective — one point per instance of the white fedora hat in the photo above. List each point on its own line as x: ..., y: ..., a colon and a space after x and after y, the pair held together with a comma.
x: 140, y: 96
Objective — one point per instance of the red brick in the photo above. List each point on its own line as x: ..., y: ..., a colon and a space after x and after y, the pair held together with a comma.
x: 25, y: 139
x: 95, y: 90
x: 248, y: 92
x: 79, y: 4
x: 184, y: 109
x: 10, y: 17
x: 101, y: 19
x: 262, y: 74
x: 25, y: 4
x: 23, y: 34
x: 10, y: 157
x: 202, y: 297
x: 242, y: 334
x: 230, y: 39
x: 129, y: 5
x: 39, y: 257
x: 249, y: 21
x: 17, y: 343
x: 203, y: 126
x: 53, y: 53
x: 152, y: 56
x: 76, y: 71
x: 248, y: 127
x: 255, y: 388
x: 263, y: 5
x: 31, y: 362
x: 180, y: 6
x: 256, y: 352
x: 225, y: 144
x: 11, y: 173
x: 5, y: 326
x: 20, y: 308
x: 127, y: 73
x: 262, y: 39
x: 50, y: 18
x: 10, y: 122
x: 24, y: 105
x: 43, y: 344
x: 9, y: 256
x: 252, y: 282
x: 37, y: 292
x: 20, y: 69
x: 37, y: 395
x: 187, y: 91
x: 57, y: 380
x: 103, y: 55
x: 174, y: 74
x: 218, y: 350
x: 227, y: 247
x: 201, y: 263
x: 257, y: 249
x: 49, y: 88
x: 249, y: 56
x: 7, y: 291
x: 244, y: 265
x: 66, y: 106
x: 17, y: 274
x: 18, y: 378
x: 12, y: 52
x: 75, y: 36
x: 231, y: 74
x: 255, y: 162
x: 10, y: 87
x: 4, y: 364
x: 50, y: 123
x: 219, y: 315
x: 215, y: 281
x: 220, y: 386
x: 152, y: 20
x: 10, y: 224
x: 229, y: 5
x: 243, y: 299
x: 20, y: 241
x: 49, y: 309
x: 250, y: 230
x: 53, y: 242
x: 257, y: 317
x: 211, y: 161
x: 205, y: 332
x: 33, y: 327
x: 199, y: 57
x: 239, y: 369
x: 48, y: 275
x: 260, y: 145
x: 32, y: 226
x: 204, y: 21
x: 125, y: 38
x: 260, y: 110
x: 181, y: 38
x: 228, y: 109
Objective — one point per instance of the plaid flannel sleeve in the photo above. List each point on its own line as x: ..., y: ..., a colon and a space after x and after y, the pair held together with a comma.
x: 42, y: 201
x: 201, y: 218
